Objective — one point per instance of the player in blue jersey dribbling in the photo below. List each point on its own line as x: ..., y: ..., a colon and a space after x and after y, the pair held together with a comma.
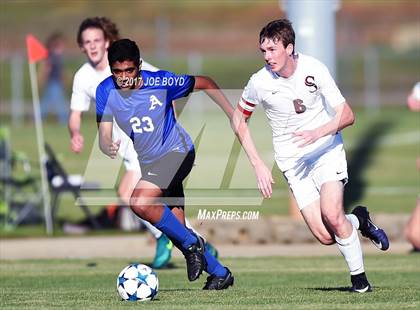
x: 141, y: 104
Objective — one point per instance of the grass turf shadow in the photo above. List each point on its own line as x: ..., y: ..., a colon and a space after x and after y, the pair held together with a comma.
x: 331, y: 289
x: 360, y: 158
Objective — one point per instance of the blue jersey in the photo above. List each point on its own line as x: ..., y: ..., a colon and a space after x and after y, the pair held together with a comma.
x: 146, y: 115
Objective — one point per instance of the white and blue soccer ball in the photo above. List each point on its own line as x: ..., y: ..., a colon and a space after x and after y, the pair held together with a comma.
x: 137, y: 282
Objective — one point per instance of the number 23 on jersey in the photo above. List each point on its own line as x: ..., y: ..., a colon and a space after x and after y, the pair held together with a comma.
x: 144, y: 124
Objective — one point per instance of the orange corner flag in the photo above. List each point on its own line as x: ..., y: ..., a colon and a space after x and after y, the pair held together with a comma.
x: 36, y: 50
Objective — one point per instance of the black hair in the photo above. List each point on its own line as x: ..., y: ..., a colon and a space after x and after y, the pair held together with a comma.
x: 279, y: 30
x: 122, y: 50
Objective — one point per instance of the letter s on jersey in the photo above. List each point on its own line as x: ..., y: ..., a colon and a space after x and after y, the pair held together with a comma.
x: 310, y: 82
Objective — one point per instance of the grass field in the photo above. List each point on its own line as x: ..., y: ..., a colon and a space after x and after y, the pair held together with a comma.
x: 260, y: 283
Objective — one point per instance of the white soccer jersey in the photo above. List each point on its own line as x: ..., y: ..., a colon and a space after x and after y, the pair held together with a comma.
x: 294, y: 104
x: 85, y: 82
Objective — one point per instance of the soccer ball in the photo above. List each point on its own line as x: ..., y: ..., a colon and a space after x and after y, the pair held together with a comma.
x: 137, y: 282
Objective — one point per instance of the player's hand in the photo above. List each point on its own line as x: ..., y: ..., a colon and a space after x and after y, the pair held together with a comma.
x: 76, y: 143
x: 264, y: 180
x: 306, y: 137
x: 113, y: 148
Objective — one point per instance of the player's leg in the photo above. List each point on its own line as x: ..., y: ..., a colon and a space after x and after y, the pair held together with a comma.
x: 308, y: 200
x: 220, y: 276
x: 145, y: 202
x: 163, y: 244
x: 345, y: 233
x: 330, y: 176
x: 333, y: 167
x: 125, y: 189
x: 129, y: 181
x: 209, y: 246
x: 312, y: 216
x: 323, y: 220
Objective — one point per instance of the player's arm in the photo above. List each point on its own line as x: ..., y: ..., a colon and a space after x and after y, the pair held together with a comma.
x: 263, y: 174
x: 343, y: 118
x: 210, y: 87
x: 344, y: 115
x: 104, y: 119
x: 79, y: 102
x: 74, y: 124
x: 106, y: 145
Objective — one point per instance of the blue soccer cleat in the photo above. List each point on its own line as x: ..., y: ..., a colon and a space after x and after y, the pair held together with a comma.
x: 163, y: 252
x: 370, y: 230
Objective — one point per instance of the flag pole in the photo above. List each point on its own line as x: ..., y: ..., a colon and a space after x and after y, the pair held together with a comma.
x: 41, y: 152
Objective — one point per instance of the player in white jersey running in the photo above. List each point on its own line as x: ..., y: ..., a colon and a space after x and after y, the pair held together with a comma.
x: 94, y: 37
x: 306, y: 112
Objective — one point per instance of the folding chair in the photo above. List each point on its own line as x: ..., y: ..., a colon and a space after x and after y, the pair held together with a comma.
x: 60, y: 182
x: 20, y: 200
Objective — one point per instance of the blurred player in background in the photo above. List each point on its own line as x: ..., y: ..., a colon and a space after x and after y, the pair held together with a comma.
x: 54, y: 96
x: 94, y: 37
x: 412, y: 230
x: 293, y: 89
x: 140, y: 102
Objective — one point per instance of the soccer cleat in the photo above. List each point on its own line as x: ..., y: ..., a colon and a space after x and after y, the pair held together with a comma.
x: 360, y: 283
x: 196, y: 262
x: 370, y: 230
x: 213, y: 251
x: 163, y: 252
x: 219, y: 283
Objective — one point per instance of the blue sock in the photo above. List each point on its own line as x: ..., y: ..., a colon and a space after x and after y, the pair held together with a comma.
x: 173, y: 228
x: 213, y: 265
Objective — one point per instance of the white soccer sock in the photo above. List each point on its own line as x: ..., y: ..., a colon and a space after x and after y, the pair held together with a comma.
x: 352, y: 251
x: 153, y: 230
x: 353, y: 220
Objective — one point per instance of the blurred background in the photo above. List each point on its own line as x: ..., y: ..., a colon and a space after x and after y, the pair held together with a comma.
x: 377, y: 65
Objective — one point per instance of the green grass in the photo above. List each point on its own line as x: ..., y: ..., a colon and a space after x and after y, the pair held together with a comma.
x: 260, y: 283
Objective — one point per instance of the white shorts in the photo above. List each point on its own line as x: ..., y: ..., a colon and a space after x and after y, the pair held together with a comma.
x: 126, y: 151
x: 306, y: 179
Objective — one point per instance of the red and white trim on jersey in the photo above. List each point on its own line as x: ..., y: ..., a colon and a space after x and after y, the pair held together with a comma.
x: 246, y: 107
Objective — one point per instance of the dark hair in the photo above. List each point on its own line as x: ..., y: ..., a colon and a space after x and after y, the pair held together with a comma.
x: 279, y: 30
x: 53, y: 40
x: 109, y: 28
x: 122, y: 50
